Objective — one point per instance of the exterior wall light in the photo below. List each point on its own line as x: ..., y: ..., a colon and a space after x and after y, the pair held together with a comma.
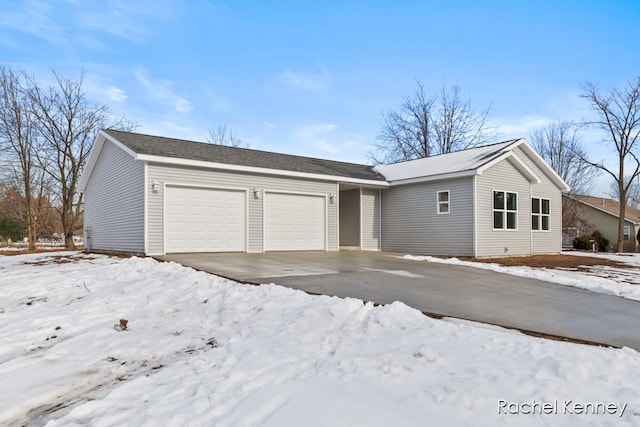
x: 155, y: 185
x: 332, y: 198
x: 256, y: 192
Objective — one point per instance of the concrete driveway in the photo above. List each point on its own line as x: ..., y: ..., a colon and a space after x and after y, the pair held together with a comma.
x: 438, y: 289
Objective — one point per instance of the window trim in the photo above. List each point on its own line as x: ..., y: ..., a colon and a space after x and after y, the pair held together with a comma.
x: 504, y: 211
x: 540, y: 214
x: 439, y: 203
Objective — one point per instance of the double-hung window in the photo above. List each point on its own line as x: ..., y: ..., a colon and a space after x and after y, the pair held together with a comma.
x: 627, y: 232
x: 505, y: 210
x: 540, y: 214
x: 443, y: 202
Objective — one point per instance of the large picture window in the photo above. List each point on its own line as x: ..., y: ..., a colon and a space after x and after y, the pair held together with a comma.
x: 540, y: 214
x: 505, y: 210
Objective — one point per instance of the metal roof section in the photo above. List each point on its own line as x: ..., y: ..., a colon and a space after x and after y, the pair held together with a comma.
x: 458, y: 163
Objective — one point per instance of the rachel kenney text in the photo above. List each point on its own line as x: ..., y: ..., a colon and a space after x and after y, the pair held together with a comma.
x: 565, y: 407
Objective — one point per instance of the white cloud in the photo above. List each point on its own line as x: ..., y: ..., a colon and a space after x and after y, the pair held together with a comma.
x: 316, y: 135
x: 104, y: 91
x: 309, y: 81
x: 35, y: 19
x: 123, y: 19
x: 520, y: 127
x: 161, y: 90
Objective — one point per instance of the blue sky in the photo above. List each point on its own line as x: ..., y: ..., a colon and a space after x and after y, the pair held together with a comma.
x: 312, y: 78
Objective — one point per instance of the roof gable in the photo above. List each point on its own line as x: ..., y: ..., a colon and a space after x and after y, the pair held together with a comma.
x: 473, y: 161
x: 443, y: 165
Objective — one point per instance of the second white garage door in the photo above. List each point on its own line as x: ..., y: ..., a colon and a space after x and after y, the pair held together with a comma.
x: 294, y: 222
x: 205, y: 220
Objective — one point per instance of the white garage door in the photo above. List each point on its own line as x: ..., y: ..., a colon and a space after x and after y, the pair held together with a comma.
x: 205, y: 220
x: 294, y: 222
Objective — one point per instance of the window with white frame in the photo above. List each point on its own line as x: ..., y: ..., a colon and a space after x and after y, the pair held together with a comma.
x: 540, y: 214
x: 505, y: 210
x: 626, y: 232
x: 443, y: 202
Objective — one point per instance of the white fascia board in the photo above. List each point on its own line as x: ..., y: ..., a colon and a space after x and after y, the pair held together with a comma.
x: 91, y: 161
x: 96, y: 148
x: 511, y: 156
x: 254, y: 169
x: 542, y: 164
x: 439, y: 177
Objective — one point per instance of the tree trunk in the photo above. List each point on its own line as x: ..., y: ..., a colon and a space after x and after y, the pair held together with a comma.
x: 68, y: 241
x: 621, y: 213
x: 31, y: 218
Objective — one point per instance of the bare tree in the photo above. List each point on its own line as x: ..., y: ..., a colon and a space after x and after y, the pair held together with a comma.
x: 633, y: 193
x: 224, y: 135
x: 17, y: 136
x: 561, y: 147
x: 618, y: 115
x: 67, y: 123
x: 406, y: 132
x: 633, y: 196
x: 457, y: 126
x: 424, y: 126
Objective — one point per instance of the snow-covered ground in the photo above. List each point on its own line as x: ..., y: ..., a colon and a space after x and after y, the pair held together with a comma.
x: 624, y: 282
x: 203, y: 351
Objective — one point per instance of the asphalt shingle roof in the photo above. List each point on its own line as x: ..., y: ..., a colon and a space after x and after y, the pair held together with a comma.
x: 182, y: 149
x: 610, y: 206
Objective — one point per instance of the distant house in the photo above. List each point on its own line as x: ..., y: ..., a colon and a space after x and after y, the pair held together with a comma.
x: 152, y: 195
x: 602, y: 214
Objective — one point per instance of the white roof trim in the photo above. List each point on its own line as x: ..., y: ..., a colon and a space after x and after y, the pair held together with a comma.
x: 254, y: 169
x: 542, y: 164
x: 450, y: 175
x: 511, y: 156
x: 95, y: 153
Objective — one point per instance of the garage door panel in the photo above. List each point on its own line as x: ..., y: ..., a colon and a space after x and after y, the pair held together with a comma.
x: 294, y: 222
x: 205, y: 220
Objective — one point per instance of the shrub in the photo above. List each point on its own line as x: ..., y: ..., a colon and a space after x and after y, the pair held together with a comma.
x: 584, y: 241
x: 10, y: 229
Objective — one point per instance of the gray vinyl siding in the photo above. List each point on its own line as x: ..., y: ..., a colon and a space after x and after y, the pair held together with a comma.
x: 114, y: 202
x: 410, y: 222
x: 491, y: 243
x: 350, y: 217
x: 183, y: 175
x: 545, y: 241
x: 370, y: 214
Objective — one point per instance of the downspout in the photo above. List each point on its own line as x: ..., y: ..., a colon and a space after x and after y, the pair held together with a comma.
x: 360, y: 227
x: 380, y: 219
x: 475, y: 218
x: 145, y: 228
